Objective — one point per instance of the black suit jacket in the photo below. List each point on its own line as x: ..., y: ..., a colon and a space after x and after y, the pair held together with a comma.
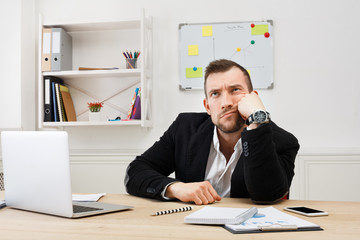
x: 263, y: 173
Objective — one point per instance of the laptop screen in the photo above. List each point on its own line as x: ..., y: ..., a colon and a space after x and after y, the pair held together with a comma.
x: 37, y: 171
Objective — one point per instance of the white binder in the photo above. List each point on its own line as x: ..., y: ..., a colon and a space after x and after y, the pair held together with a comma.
x: 46, y: 50
x: 61, y: 54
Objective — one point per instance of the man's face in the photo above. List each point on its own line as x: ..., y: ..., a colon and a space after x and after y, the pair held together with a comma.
x: 224, y: 91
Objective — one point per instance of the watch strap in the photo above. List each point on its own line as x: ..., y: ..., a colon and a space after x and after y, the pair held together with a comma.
x: 249, y: 120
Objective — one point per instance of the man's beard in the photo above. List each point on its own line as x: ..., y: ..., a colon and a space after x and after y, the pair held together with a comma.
x: 236, y: 126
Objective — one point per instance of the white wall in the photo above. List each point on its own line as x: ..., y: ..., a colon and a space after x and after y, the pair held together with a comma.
x: 316, y: 53
x: 28, y: 64
x: 316, y: 83
x: 17, y: 64
x: 10, y: 67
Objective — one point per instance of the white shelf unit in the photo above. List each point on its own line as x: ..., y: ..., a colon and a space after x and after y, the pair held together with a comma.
x: 100, y: 44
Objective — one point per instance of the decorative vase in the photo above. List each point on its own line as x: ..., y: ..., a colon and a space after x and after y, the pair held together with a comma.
x: 94, y: 116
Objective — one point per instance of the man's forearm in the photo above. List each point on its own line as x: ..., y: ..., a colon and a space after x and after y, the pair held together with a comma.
x: 197, y: 192
x: 268, y: 173
x: 143, y: 181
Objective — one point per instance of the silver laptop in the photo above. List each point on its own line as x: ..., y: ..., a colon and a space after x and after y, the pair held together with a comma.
x: 37, y: 175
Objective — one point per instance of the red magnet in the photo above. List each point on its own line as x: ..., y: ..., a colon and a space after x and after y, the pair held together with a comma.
x: 252, y: 25
x: 267, y: 34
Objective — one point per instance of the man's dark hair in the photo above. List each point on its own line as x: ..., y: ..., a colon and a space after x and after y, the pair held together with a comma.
x: 224, y: 65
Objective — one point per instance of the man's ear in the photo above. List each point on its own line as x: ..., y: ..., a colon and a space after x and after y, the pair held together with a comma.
x: 206, y: 105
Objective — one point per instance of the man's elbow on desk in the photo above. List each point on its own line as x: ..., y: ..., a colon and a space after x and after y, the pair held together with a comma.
x: 265, y: 201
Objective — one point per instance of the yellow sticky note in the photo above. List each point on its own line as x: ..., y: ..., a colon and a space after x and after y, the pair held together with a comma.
x: 193, y: 50
x: 248, y: 72
x: 194, y: 72
x: 207, y: 31
x: 259, y: 29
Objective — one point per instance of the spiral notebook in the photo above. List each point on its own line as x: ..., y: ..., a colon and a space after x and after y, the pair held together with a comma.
x: 220, y: 215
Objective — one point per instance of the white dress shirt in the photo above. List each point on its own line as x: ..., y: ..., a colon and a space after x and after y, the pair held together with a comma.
x: 218, y: 173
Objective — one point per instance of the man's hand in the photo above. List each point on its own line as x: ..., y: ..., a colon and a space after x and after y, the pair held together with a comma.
x: 197, y: 192
x: 249, y: 104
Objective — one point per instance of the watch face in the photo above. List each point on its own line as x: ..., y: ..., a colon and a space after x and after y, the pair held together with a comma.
x: 260, y: 116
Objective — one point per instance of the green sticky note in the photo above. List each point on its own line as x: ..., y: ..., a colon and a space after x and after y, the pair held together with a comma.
x: 192, y: 73
x: 260, y: 29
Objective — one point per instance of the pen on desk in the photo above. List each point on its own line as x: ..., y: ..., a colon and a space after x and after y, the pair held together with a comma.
x: 183, y: 209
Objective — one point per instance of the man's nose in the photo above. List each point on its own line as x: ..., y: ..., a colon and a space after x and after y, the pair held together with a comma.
x: 227, y: 101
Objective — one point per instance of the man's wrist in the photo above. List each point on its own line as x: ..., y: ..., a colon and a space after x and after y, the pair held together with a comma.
x: 253, y: 126
x: 164, y: 192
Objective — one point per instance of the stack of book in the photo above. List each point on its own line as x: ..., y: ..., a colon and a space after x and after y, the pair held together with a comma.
x: 58, y: 104
x: 135, y: 107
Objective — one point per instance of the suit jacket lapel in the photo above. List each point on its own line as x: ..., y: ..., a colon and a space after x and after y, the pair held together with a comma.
x: 198, y: 152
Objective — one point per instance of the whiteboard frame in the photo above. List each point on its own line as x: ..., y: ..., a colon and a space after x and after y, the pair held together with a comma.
x: 197, y: 83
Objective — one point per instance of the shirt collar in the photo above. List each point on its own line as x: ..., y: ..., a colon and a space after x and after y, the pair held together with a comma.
x: 216, y: 142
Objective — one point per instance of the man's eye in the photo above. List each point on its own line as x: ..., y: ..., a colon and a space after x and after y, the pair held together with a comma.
x: 236, y: 89
x: 214, y: 94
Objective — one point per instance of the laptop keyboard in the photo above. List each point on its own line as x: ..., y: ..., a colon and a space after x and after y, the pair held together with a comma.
x: 80, y: 209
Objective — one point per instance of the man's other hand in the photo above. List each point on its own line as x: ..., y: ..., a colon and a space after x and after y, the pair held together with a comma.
x: 197, y: 192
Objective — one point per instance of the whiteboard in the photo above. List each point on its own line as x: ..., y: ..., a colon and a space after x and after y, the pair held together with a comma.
x: 247, y: 43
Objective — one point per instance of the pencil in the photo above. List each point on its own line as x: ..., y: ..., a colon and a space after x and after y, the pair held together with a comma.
x: 183, y: 209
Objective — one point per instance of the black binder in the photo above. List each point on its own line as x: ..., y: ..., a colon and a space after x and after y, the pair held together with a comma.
x: 48, y: 97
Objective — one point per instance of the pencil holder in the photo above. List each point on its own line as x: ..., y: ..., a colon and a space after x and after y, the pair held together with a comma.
x: 131, y: 63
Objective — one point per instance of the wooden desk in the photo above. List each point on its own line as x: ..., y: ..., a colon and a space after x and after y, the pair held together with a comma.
x: 342, y: 223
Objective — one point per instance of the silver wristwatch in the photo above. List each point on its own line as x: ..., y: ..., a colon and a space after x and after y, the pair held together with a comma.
x: 259, y: 116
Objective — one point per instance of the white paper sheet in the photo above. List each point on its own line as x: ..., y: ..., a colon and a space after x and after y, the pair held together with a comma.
x: 268, y: 217
x: 87, y: 197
